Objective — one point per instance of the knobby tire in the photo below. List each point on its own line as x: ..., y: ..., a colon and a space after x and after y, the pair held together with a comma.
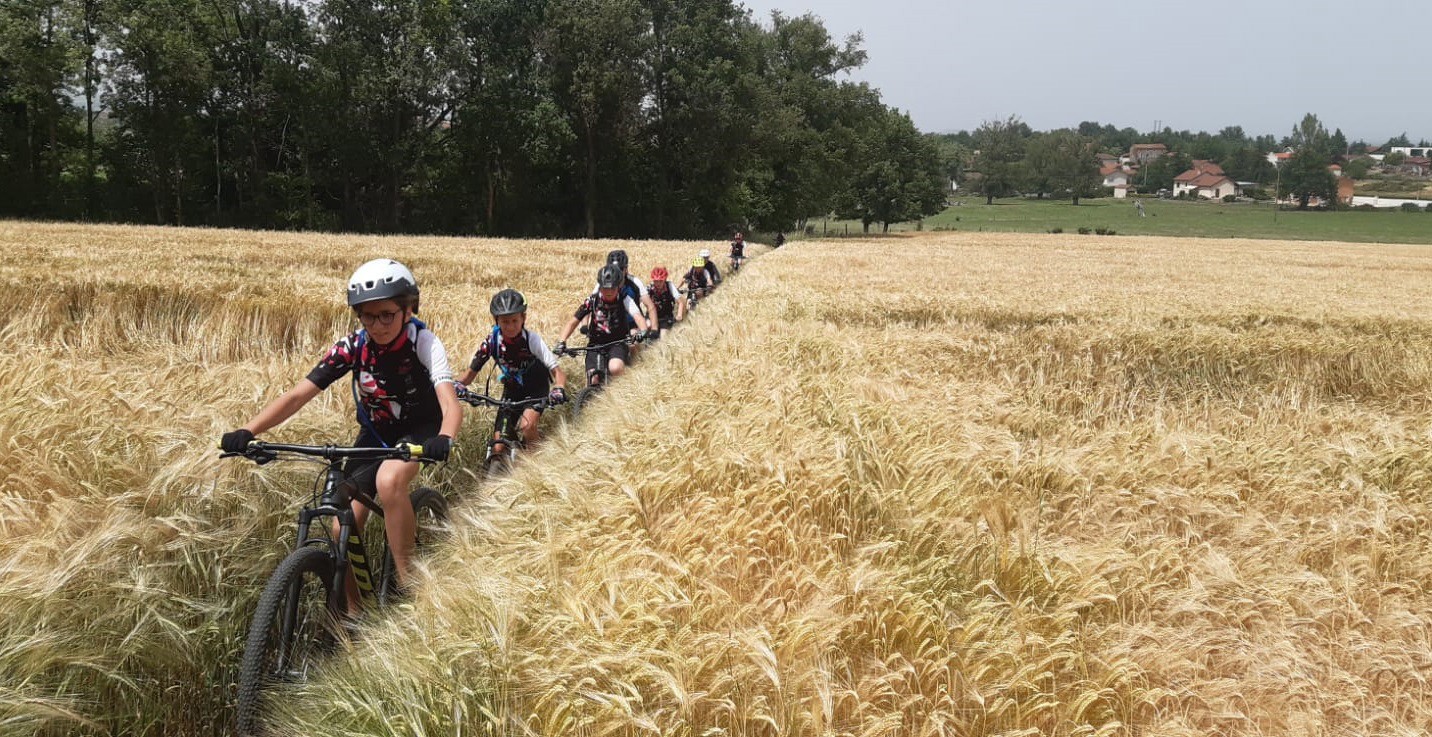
x: 274, y: 655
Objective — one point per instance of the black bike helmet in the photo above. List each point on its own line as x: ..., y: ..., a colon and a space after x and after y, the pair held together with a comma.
x: 508, y: 302
x: 610, y: 277
x: 618, y: 257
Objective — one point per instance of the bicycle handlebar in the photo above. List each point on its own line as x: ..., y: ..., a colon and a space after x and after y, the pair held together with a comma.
x: 478, y: 400
x: 570, y: 351
x: 261, y: 452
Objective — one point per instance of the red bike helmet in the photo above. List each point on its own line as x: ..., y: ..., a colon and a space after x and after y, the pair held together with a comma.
x: 659, y: 274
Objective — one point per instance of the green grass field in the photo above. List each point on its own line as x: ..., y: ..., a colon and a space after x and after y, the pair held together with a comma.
x: 1167, y: 218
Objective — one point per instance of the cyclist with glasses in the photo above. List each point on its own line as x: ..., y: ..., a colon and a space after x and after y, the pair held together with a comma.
x: 403, y: 392
x: 528, y: 368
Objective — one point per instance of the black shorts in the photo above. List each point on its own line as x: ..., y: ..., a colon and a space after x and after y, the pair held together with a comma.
x: 364, y: 474
x: 535, y: 385
x: 594, y: 358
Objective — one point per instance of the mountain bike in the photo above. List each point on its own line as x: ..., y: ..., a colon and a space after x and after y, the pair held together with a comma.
x: 505, y: 441
x: 735, y: 263
x: 303, y: 610
x: 596, y: 375
x: 694, y: 295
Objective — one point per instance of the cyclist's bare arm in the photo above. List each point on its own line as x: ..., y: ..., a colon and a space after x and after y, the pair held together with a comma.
x: 568, y: 329
x: 284, y: 407
x: 452, y: 408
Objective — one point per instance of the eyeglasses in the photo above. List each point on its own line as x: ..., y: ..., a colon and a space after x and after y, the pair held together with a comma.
x: 382, y: 318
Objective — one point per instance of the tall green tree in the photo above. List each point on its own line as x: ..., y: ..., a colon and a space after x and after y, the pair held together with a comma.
x: 38, y: 54
x: 1305, y: 175
x: 1248, y: 164
x: 896, y: 172
x: 704, y: 118
x: 1310, y: 134
x: 1062, y: 162
x: 158, y: 88
x: 593, y: 51
x: 387, y: 84
x: 808, y: 129
x: 1000, y: 158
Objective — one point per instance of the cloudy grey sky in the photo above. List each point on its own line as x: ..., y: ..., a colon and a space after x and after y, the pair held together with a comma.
x: 952, y: 64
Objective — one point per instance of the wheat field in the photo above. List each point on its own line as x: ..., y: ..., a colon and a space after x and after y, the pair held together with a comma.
x: 947, y: 485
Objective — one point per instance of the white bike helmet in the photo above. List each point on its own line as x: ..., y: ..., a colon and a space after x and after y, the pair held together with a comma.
x: 382, y: 278
x: 705, y: 253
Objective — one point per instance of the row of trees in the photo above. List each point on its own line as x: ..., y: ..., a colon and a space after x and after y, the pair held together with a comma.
x: 547, y: 117
x: 1005, y: 157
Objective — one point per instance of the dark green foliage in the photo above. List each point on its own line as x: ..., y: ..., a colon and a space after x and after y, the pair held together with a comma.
x: 1062, y: 164
x: 1000, y: 163
x: 1159, y: 173
x: 1306, y: 175
x: 522, y: 117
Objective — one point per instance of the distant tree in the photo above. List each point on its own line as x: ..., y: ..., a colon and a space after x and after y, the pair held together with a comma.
x: 1159, y: 173
x: 1305, y: 175
x: 37, y: 66
x: 1310, y: 134
x: 897, y: 172
x: 1062, y: 162
x: 1000, y: 160
x: 1398, y: 140
x: 1248, y: 165
x: 1233, y: 134
x: 1337, y: 145
x: 1357, y: 168
x: 1396, y: 158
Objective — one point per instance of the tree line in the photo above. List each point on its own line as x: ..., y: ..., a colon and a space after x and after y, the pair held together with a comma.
x: 633, y: 118
x: 1007, y: 157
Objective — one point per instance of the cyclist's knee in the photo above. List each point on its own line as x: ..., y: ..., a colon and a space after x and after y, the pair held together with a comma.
x: 616, y: 367
x: 393, y: 480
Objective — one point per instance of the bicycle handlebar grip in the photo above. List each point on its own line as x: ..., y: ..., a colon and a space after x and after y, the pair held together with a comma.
x: 414, y: 450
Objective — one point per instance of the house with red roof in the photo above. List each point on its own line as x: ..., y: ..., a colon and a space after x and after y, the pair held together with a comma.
x: 1117, y: 177
x: 1205, y: 180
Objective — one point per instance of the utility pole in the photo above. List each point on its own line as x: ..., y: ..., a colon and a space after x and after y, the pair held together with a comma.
x: 1277, y: 190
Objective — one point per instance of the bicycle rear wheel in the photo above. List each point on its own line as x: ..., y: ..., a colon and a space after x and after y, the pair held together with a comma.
x: 294, y: 626
x: 430, y: 509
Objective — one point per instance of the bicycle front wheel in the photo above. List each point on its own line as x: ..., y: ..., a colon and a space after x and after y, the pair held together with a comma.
x: 294, y: 626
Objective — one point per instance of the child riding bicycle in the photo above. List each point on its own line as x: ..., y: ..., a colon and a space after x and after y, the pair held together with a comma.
x: 402, y: 389
x: 612, y: 317
x: 670, y: 302
x: 528, y: 369
x: 738, y: 252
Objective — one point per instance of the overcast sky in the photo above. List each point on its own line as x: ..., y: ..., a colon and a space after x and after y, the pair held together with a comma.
x: 953, y: 64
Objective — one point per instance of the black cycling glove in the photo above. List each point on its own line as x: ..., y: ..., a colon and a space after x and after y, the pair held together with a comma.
x: 236, y: 441
x: 437, y: 447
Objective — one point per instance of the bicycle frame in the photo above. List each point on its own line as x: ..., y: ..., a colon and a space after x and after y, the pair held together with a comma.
x: 336, y: 501
x: 504, y: 427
